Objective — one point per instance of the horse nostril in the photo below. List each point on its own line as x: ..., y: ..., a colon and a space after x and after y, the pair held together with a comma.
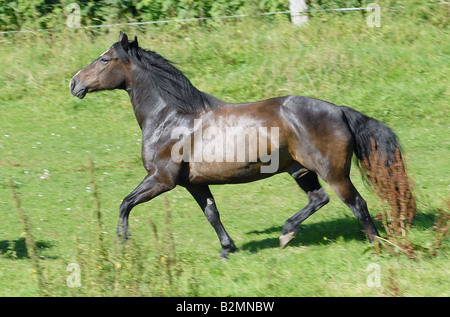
x: 72, y: 84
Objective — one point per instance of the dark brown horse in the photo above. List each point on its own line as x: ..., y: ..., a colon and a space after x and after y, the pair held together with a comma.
x: 192, y: 139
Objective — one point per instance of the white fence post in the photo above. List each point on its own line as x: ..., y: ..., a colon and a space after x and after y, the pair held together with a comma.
x: 298, y: 9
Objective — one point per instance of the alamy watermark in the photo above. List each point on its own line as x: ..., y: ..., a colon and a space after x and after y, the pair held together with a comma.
x: 74, y: 278
x: 374, y: 277
x: 296, y: 9
x: 74, y: 17
x: 374, y: 19
x: 227, y: 144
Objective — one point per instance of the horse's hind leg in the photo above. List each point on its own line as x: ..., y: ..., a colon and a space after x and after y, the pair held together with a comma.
x: 350, y: 196
x: 204, y: 198
x: 317, y: 199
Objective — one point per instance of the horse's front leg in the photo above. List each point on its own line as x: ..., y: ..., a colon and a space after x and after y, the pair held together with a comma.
x: 153, y: 185
x: 204, y: 198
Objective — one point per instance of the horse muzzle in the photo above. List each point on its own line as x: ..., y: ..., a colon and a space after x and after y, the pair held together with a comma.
x: 77, y: 89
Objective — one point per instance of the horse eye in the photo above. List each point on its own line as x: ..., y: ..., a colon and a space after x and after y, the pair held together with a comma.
x: 104, y: 60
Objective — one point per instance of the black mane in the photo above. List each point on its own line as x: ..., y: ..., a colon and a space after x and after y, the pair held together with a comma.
x: 164, y: 78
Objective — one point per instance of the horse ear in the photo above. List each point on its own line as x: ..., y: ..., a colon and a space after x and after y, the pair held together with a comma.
x: 136, y: 41
x: 123, y: 40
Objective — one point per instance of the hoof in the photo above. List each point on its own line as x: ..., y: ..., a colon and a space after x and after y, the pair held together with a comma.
x: 123, y: 237
x: 286, y: 239
x: 225, y: 251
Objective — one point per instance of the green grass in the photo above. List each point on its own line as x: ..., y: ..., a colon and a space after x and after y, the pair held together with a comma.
x: 397, y: 73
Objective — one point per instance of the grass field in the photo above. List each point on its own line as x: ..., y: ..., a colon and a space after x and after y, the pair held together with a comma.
x: 398, y: 73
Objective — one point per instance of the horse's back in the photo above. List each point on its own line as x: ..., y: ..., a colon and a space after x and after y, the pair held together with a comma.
x: 307, y: 109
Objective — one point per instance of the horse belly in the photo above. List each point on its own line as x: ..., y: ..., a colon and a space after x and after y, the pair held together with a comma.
x: 225, y: 172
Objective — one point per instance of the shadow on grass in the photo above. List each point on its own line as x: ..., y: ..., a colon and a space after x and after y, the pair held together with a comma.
x: 17, y: 249
x: 347, y: 228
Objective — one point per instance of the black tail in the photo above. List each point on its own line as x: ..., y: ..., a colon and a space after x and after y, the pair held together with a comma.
x: 369, y: 133
x: 379, y: 155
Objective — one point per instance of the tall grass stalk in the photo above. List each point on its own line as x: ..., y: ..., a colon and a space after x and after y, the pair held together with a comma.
x: 30, y: 242
x: 97, y: 205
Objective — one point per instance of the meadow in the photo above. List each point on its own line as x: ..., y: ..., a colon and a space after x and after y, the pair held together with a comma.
x: 71, y: 162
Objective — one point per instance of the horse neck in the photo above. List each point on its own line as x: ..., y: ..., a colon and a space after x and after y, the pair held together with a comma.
x: 152, y: 111
x: 149, y: 108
